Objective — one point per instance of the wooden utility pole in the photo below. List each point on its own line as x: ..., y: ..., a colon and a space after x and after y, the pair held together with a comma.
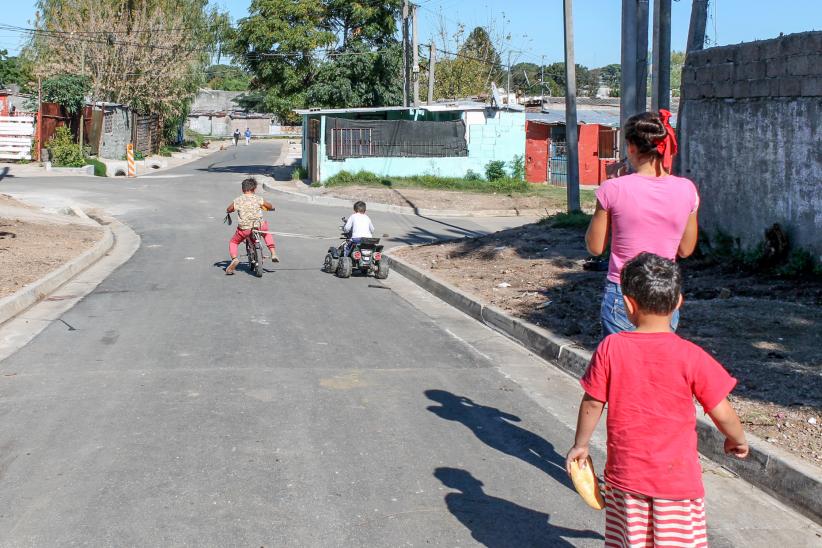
x: 415, y: 55
x: 83, y: 102
x: 696, y: 42
x: 661, y: 63
x: 39, y: 132
x: 405, y: 64
x: 571, y: 134
x: 642, y: 55
x: 627, y: 87
x: 432, y: 70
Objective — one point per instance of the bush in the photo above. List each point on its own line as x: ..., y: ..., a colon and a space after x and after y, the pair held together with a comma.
x: 472, y: 175
x: 299, y: 173
x: 99, y: 167
x: 344, y: 178
x: 576, y: 219
x: 64, y: 152
x: 517, y: 168
x: 167, y: 150
x: 193, y: 138
x: 139, y: 155
x: 495, y: 170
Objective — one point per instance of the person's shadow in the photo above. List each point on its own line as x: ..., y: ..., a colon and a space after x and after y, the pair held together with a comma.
x: 495, y: 428
x: 496, y: 522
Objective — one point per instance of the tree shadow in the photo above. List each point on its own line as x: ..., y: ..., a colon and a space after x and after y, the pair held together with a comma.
x: 498, y: 523
x: 495, y: 428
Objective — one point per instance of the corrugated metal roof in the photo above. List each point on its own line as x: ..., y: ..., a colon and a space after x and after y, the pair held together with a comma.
x: 436, y: 107
x: 584, y: 116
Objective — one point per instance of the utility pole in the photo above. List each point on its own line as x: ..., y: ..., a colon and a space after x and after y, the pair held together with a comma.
x: 627, y: 87
x: 571, y: 137
x: 405, y: 67
x: 432, y: 64
x: 541, y: 81
x: 415, y: 53
x: 83, y: 102
x: 508, y: 85
x: 696, y: 42
x: 661, y: 63
x: 641, y: 55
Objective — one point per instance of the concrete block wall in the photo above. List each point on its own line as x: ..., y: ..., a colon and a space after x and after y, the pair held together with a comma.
x: 113, y: 144
x: 751, y: 135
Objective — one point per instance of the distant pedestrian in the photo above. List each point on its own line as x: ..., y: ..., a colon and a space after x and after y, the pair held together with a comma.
x: 247, y: 136
x: 236, y: 136
x: 647, y: 210
x: 649, y: 378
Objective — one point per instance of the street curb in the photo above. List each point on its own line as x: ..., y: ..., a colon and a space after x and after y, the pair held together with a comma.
x: 773, y: 470
x: 403, y: 210
x: 17, y: 302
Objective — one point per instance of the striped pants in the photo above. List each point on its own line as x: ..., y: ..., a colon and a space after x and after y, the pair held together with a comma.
x: 638, y: 521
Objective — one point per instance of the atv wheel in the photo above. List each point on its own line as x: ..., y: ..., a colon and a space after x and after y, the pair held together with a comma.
x: 330, y: 264
x: 382, y: 271
x: 344, y: 267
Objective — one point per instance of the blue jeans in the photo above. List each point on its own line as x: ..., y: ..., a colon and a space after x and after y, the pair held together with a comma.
x: 612, y: 314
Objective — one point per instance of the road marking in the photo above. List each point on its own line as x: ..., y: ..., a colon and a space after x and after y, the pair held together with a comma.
x: 165, y: 176
x: 305, y: 236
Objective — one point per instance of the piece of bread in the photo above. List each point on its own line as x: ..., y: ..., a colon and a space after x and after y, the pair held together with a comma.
x: 586, y: 484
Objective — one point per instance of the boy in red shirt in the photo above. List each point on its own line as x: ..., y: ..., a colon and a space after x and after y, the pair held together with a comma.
x: 649, y: 377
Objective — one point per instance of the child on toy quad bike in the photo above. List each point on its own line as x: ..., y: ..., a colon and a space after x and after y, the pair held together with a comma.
x: 249, y: 208
x: 357, y: 227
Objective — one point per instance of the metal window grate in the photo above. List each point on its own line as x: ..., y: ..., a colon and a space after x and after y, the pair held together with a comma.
x: 351, y: 143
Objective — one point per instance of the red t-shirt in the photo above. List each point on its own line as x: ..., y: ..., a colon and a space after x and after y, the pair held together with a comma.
x: 649, y: 381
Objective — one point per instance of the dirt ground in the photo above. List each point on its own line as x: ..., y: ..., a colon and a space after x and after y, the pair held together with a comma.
x: 30, y: 250
x: 764, y: 331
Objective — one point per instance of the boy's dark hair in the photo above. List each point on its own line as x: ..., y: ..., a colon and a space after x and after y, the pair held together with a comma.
x: 249, y: 184
x: 654, y: 282
x: 645, y: 131
x: 359, y: 207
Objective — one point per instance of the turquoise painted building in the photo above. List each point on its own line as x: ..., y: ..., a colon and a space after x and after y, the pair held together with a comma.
x: 444, y: 139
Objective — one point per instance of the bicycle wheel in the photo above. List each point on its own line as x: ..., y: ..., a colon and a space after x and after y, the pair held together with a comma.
x: 257, y: 249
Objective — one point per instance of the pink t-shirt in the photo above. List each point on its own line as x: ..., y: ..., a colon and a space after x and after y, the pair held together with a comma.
x: 647, y: 214
x: 649, y: 381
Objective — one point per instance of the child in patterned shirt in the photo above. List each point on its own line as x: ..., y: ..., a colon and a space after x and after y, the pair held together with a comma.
x: 249, y: 208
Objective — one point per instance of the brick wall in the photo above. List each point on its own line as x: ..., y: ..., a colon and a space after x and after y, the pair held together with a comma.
x: 751, y: 131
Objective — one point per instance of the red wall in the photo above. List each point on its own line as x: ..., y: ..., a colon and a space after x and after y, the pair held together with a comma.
x: 589, y: 154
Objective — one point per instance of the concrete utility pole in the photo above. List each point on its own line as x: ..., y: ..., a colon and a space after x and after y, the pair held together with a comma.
x: 571, y: 136
x: 432, y: 65
x: 541, y: 81
x: 627, y: 87
x: 661, y: 63
x: 415, y: 53
x: 696, y: 42
x: 405, y: 64
x: 642, y: 55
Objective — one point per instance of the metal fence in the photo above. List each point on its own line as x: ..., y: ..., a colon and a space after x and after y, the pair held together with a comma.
x: 558, y: 164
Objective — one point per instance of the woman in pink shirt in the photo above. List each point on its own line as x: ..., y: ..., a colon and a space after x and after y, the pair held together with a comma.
x: 648, y: 210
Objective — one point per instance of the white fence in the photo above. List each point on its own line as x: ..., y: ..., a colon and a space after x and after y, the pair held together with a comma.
x: 15, y: 137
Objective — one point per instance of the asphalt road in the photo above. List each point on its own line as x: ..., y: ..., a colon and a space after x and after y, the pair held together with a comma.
x: 179, y: 406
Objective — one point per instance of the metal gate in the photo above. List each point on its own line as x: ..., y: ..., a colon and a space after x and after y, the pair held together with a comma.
x: 146, y: 133
x: 558, y: 164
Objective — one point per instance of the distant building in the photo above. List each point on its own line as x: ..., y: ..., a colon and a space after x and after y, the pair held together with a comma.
x: 218, y: 113
x: 443, y: 139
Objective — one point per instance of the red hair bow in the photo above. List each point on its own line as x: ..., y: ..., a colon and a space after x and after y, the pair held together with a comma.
x: 667, y: 147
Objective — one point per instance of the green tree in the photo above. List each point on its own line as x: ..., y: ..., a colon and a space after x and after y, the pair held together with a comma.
x: 677, y: 62
x: 227, y: 77
x: 358, y: 78
x: 473, y: 68
x: 67, y: 90
x: 13, y: 70
x: 587, y: 80
x: 364, y: 69
x: 277, y: 43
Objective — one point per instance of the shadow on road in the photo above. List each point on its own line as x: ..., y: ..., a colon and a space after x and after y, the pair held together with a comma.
x: 4, y: 173
x: 495, y: 428
x: 498, y: 523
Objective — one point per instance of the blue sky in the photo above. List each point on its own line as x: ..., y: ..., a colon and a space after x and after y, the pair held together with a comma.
x: 536, y: 25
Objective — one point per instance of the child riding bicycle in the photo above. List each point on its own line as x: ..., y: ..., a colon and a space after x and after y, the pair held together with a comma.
x: 249, y: 208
